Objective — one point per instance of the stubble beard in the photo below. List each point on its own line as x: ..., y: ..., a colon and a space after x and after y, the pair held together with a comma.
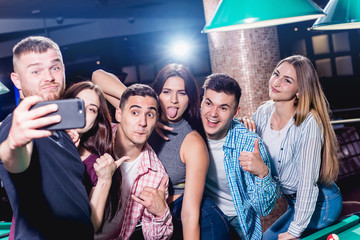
x: 47, y: 96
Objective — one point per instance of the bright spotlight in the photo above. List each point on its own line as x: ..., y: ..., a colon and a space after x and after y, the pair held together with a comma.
x: 180, y: 49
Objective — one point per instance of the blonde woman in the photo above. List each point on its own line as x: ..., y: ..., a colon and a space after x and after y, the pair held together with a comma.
x: 297, y: 132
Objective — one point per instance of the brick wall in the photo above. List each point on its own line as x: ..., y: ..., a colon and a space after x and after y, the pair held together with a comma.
x: 249, y: 56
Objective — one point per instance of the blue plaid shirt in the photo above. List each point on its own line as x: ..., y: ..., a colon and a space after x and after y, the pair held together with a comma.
x: 252, y: 196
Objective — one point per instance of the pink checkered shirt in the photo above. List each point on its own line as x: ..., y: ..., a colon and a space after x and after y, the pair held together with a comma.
x: 150, y: 173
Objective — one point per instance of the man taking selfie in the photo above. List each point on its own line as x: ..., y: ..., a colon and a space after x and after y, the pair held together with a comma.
x: 41, y: 170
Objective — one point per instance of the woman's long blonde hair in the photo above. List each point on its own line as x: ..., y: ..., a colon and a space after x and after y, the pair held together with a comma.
x: 312, y: 100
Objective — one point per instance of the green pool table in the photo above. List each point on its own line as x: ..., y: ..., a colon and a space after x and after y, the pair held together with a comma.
x: 4, y: 230
x: 348, y: 229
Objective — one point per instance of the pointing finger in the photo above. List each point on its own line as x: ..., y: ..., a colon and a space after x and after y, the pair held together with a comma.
x: 121, y: 160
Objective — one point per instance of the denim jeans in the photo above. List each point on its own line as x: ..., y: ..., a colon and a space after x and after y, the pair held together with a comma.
x: 327, y: 210
x: 235, y: 229
x: 213, y: 222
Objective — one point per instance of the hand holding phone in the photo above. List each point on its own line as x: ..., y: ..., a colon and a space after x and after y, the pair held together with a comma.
x: 25, y: 122
x: 72, y: 112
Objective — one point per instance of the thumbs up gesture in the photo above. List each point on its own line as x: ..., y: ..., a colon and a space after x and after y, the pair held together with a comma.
x: 154, y: 199
x: 105, y: 166
x: 253, y: 163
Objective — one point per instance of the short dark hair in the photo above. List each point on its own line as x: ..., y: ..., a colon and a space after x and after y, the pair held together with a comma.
x: 220, y: 82
x: 36, y: 44
x: 138, y: 90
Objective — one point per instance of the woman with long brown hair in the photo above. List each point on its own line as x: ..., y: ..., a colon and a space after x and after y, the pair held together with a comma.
x: 296, y: 129
x: 94, y: 143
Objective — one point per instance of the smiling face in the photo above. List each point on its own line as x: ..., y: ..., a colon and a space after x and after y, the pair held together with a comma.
x: 137, y: 119
x: 92, y: 104
x: 283, y: 84
x: 173, y: 99
x: 217, y: 111
x: 40, y: 74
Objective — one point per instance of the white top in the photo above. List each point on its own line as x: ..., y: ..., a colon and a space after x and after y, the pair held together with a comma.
x: 128, y: 175
x: 272, y: 140
x: 216, y: 186
x: 111, y: 229
x: 300, y: 160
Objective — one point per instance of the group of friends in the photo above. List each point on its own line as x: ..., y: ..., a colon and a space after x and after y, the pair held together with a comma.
x: 173, y: 165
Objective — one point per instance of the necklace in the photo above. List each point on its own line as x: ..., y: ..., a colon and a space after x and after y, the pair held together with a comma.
x: 280, y: 126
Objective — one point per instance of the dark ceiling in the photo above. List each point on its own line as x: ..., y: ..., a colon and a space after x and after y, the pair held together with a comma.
x: 97, y: 8
x: 90, y: 26
x: 115, y: 32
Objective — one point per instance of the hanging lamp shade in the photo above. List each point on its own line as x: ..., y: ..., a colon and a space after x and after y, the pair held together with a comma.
x: 340, y: 14
x: 243, y: 14
x: 3, y: 89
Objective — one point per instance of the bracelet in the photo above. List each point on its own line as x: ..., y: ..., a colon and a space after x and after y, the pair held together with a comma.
x: 12, y: 136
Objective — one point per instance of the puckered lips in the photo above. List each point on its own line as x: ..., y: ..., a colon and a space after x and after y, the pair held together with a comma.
x: 50, y: 87
x: 140, y: 133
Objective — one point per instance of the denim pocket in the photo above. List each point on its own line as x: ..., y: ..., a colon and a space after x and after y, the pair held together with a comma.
x: 330, y: 204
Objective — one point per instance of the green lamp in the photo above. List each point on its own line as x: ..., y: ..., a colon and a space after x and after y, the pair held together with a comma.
x: 243, y: 14
x: 3, y: 89
x: 340, y: 14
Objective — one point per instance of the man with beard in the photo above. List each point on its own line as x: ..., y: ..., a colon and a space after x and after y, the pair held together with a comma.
x: 41, y: 170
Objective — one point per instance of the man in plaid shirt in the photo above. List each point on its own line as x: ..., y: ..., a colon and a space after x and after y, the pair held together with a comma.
x: 144, y: 180
x: 239, y: 184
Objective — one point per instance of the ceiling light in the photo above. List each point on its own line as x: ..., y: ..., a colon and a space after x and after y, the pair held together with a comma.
x: 243, y: 14
x: 340, y: 14
x: 3, y: 89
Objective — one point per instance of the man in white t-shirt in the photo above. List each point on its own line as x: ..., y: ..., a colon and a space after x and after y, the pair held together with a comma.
x: 144, y: 180
x: 240, y: 185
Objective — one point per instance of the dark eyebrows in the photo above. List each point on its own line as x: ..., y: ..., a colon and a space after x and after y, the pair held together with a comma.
x: 289, y: 77
x: 134, y: 106
x: 153, y: 108
x: 225, y: 105
x: 222, y: 105
x: 208, y: 99
x: 93, y: 104
x: 137, y: 106
x: 169, y: 89
x: 277, y: 71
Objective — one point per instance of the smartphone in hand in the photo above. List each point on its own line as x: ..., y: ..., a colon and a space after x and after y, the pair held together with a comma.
x: 72, y: 112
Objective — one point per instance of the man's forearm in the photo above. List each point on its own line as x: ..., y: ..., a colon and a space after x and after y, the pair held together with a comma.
x: 15, y: 158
